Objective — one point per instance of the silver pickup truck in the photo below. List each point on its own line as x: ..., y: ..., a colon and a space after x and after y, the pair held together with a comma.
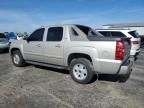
x: 78, y: 48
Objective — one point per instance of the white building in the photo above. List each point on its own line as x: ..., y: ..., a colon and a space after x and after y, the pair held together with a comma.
x: 139, y: 27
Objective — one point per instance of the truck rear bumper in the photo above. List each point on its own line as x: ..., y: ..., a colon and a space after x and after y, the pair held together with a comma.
x: 113, y: 66
x: 105, y: 66
x: 126, y: 68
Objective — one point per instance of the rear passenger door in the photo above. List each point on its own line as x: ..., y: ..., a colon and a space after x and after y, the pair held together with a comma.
x: 53, y: 46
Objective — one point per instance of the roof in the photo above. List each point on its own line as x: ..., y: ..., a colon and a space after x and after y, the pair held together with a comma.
x: 64, y: 25
x: 126, y: 25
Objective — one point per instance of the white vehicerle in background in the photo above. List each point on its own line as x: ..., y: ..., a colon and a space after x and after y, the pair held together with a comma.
x: 20, y: 36
x: 135, y: 39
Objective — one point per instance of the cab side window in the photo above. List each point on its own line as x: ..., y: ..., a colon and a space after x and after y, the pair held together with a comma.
x: 37, y: 35
x: 55, y: 34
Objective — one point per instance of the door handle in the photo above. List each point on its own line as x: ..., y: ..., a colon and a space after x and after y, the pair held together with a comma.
x: 58, y: 45
x: 38, y: 45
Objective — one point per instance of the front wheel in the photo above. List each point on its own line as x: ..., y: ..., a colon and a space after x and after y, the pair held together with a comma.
x: 81, y: 70
x: 17, y: 59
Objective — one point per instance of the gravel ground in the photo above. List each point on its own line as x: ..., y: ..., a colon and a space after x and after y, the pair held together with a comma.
x: 40, y: 87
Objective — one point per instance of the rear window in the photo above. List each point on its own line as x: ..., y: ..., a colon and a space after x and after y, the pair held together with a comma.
x: 134, y: 34
x: 2, y: 35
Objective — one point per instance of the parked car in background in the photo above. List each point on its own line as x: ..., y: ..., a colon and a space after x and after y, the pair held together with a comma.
x: 4, y: 42
x: 80, y: 49
x: 19, y: 36
x: 6, y: 34
x: 12, y: 36
x: 135, y: 38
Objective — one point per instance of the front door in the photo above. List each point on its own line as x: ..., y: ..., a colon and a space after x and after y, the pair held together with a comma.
x: 33, y: 46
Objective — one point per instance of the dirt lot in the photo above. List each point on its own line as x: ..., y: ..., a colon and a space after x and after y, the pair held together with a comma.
x: 39, y: 87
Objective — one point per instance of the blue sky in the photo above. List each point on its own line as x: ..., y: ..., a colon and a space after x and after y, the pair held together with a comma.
x: 26, y: 15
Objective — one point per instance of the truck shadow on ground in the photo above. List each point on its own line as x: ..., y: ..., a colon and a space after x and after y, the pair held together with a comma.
x: 53, y: 69
x: 101, y: 77
x: 114, y: 78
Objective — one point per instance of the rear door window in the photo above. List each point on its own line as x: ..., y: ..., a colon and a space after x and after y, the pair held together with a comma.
x: 134, y: 34
x: 55, y: 34
x: 117, y: 34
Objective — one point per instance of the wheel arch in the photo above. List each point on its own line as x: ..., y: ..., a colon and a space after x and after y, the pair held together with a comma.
x: 78, y: 55
x: 14, y: 49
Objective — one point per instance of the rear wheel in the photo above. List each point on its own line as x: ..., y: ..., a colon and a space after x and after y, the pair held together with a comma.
x: 17, y: 58
x: 81, y: 70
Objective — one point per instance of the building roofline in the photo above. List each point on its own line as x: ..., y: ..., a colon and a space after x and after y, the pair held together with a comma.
x: 126, y: 25
x: 123, y: 26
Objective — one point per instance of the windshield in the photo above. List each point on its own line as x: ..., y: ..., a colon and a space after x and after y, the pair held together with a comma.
x: 2, y: 35
x: 134, y: 34
x: 88, y: 31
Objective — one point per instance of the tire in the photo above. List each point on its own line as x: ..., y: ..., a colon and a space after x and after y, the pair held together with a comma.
x: 81, y: 70
x: 16, y: 55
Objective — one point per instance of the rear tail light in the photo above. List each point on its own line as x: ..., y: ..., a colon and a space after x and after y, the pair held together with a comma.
x: 120, y: 50
x: 135, y: 42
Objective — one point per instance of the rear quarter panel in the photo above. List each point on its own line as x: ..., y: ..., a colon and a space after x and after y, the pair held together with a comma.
x: 101, y: 52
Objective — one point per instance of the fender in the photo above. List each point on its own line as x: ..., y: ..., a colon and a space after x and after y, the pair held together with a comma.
x: 91, y: 51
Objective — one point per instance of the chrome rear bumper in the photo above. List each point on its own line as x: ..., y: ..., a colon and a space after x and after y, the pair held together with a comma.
x: 127, y: 67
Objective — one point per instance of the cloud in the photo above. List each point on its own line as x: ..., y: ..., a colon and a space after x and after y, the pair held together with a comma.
x: 27, y: 21
x: 19, y: 21
x: 15, y: 21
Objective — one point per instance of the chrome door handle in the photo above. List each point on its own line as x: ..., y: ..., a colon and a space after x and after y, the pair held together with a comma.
x: 38, y: 45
